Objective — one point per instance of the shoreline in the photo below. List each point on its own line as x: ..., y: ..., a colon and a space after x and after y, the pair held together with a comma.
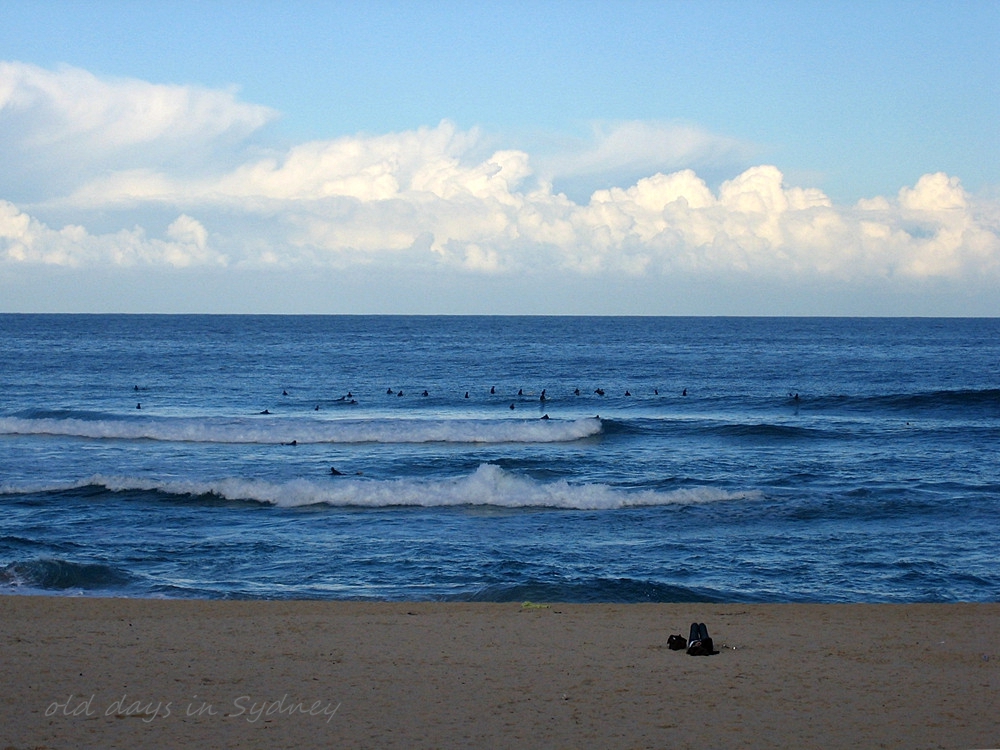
x: 103, y: 672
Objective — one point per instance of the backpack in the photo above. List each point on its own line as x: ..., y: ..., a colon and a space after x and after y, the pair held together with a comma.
x: 677, y: 642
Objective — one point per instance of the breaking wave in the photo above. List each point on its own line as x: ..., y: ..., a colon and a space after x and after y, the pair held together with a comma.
x: 265, y: 430
x: 489, y: 485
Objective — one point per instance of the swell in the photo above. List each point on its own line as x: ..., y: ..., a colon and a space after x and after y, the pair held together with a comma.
x: 984, y: 402
x: 591, y: 590
x: 712, y: 427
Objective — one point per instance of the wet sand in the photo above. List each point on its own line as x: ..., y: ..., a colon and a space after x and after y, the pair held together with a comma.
x: 101, y: 673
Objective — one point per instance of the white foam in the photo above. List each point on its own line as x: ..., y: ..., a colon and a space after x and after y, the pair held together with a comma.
x: 271, y: 430
x: 489, y: 485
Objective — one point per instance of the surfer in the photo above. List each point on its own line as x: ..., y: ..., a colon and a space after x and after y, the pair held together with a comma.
x: 334, y: 472
x: 293, y: 443
x: 284, y: 393
x: 542, y: 397
x: 512, y: 407
x: 466, y: 394
x: 425, y: 393
x: 138, y: 406
x: 599, y: 391
x: 493, y: 390
x: 628, y: 393
x: 544, y: 416
x: 684, y: 392
x: 576, y: 391
x: 520, y: 392
x: 263, y: 412
x: 388, y: 391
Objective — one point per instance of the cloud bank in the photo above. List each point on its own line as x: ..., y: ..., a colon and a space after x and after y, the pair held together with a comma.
x: 427, y: 198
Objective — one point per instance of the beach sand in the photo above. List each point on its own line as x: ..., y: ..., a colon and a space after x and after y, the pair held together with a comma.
x: 83, y: 672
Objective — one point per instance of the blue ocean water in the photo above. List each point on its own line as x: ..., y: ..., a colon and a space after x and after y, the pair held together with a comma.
x: 501, y: 458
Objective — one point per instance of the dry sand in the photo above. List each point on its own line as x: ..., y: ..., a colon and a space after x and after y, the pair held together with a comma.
x: 128, y: 673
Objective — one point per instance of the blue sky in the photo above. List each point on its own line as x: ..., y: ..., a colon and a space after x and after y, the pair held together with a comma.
x: 450, y: 157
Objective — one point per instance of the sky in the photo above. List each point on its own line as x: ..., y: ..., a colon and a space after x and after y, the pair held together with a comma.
x: 432, y: 157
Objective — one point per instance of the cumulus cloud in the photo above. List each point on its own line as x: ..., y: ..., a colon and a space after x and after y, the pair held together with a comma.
x: 26, y: 240
x: 427, y: 198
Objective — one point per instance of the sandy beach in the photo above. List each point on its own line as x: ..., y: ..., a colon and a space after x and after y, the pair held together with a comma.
x: 102, y: 673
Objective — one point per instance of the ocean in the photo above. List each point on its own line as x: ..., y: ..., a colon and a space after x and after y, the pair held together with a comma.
x: 581, y: 459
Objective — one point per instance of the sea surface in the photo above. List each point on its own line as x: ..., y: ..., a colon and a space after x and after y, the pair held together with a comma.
x: 500, y: 458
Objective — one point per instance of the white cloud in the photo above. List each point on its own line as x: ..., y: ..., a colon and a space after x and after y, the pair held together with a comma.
x: 624, y: 147
x: 934, y: 192
x: 70, y: 105
x: 67, y: 125
x: 427, y: 199
x: 26, y: 240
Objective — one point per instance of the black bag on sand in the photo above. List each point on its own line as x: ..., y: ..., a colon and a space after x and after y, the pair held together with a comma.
x: 677, y: 642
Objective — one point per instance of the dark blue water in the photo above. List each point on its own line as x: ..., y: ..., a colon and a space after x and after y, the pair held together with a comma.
x: 738, y: 459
